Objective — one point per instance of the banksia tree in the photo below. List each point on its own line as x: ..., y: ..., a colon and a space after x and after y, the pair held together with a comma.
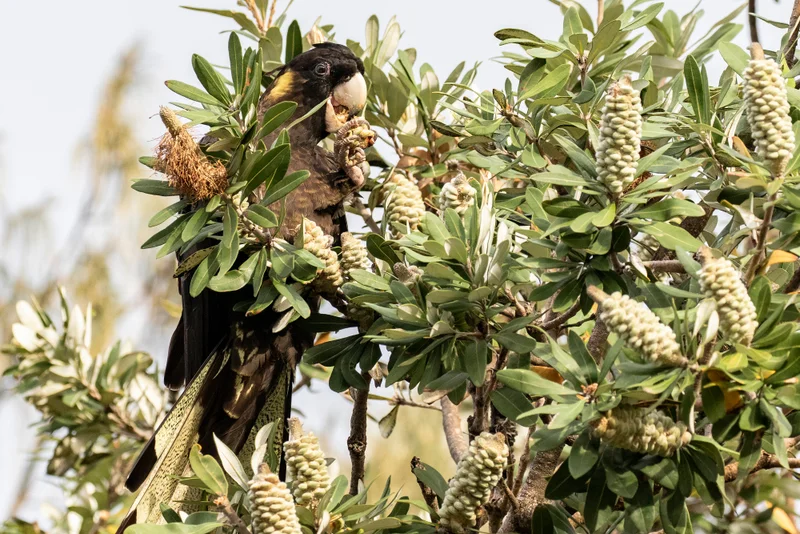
x: 187, y: 168
x: 457, y: 194
x: 271, y: 506
x: 319, y: 244
x: 402, y: 202
x: 721, y: 282
x: 642, y: 430
x: 768, y: 111
x: 477, y: 473
x: 620, y: 137
x: 642, y: 331
x: 306, y: 465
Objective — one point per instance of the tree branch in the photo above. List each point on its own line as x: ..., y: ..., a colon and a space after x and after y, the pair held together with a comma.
x: 365, y: 213
x: 761, y: 244
x: 451, y: 422
x: 224, y: 506
x: 766, y: 461
x: 665, y: 266
x: 559, y: 320
x: 427, y: 493
x: 751, y: 18
x: 357, y: 441
x: 532, y: 493
x: 794, y: 28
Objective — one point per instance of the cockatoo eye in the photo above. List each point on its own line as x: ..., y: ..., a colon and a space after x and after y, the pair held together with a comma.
x: 322, y: 69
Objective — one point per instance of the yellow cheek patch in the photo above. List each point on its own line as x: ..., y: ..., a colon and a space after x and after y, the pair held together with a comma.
x: 284, y: 85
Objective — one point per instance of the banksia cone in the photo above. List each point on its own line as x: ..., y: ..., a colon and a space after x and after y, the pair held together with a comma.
x: 306, y: 465
x: 187, y: 168
x: 721, y: 282
x: 271, y: 505
x: 768, y: 111
x: 407, y: 274
x: 477, y: 473
x: 620, y: 137
x: 354, y: 255
x: 319, y: 244
x: 639, y: 327
x: 457, y: 194
x: 637, y: 430
x: 403, y: 202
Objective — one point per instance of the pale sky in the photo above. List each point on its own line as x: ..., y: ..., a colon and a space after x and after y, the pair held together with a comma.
x: 55, y: 57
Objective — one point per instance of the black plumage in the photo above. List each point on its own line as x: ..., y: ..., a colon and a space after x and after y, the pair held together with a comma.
x: 237, y: 372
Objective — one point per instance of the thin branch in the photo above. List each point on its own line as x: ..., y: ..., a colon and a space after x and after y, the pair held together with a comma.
x: 761, y: 244
x: 665, y: 266
x: 766, y: 461
x: 451, y: 422
x: 524, y: 461
x: 224, y: 506
x: 794, y: 29
x: 402, y: 401
x: 559, y: 320
x: 751, y: 18
x: 357, y: 441
x: 361, y: 209
x: 532, y: 493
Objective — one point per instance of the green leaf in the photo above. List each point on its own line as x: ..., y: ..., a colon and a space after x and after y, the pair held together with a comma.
x: 230, y: 462
x: 640, y: 512
x: 294, y: 41
x: 327, y: 353
x: 265, y: 168
x: 697, y: 86
x: 668, y: 208
x: 431, y: 478
x: 201, y: 277
x: 210, y: 79
x: 192, y: 93
x: 603, y: 39
x: 159, y: 188
x: 236, y: 62
x: 207, y: 469
x: 164, y: 214
x: 551, y: 84
x: 475, y: 360
x: 294, y: 298
x: 670, y: 236
x: 600, y: 502
x: 195, y: 224
x: 584, y: 455
x: 283, y: 187
x: 261, y: 215
x: 512, y: 404
x: 528, y: 382
x: 275, y: 116
x: 173, y: 528
x: 734, y: 56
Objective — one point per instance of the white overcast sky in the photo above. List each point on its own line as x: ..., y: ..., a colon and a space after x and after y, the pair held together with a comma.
x: 56, y: 55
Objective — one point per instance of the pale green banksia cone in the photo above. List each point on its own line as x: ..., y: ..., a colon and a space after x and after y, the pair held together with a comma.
x: 457, y: 194
x: 271, y: 505
x: 403, y: 202
x: 721, y: 282
x: 319, y: 244
x: 354, y: 255
x: 477, y: 473
x: 639, y: 327
x: 306, y: 465
x: 768, y: 111
x: 617, y: 152
x: 637, y: 430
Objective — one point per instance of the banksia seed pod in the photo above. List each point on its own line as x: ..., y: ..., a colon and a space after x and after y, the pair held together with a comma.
x: 354, y: 255
x: 407, y: 274
x: 768, y: 111
x: 306, y: 465
x: 477, y: 473
x: 620, y: 137
x: 319, y: 244
x: 637, y: 430
x: 403, y: 202
x: 457, y: 194
x: 272, y: 508
x: 721, y: 282
x: 187, y: 168
x: 639, y: 327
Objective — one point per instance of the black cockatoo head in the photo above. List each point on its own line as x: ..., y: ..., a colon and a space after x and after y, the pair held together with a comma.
x: 328, y: 72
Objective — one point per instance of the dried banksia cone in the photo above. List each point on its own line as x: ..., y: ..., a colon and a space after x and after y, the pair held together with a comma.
x: 639, y: 327
x: 187, y: 168
x: 620, y: 137
x: 306, y: 465
x: 457, y: 194
x: 407, y: 274
x: 403, y: 202
x: 720, y: 281
x: 768, y: 111
x: 272, y: 508
x: 319, y: 244
x: 354, y: 255
x: 637, y: 430
x: 477, y: 473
